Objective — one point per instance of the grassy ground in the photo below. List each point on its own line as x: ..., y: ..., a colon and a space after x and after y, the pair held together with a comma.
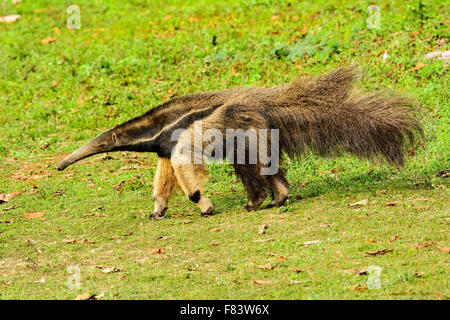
x: 129, y: 56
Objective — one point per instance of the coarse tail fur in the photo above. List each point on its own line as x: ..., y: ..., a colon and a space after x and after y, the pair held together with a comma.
x: 325, y: 114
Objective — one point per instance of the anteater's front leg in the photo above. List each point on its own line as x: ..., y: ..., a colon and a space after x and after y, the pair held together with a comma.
x: 254, y: 183
x: 191, y: 178
x: 164, y: 182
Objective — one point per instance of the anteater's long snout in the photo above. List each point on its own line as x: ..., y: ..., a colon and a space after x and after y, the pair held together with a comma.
x: 85, y: 151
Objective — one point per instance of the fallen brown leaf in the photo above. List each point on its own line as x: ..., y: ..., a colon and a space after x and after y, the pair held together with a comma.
x: 418, y: 66
x: 266, y: 267
x: 48, y: 40
x: 118, y: 187
x: 394, y: 238
x: 360, y: 288
x: 359, y: 203
x: 445, y: 249
x: 86, y: 241
x: 4, y: 198
x: 88, y: 296
x: 297, y: 270
x: 361, y: 272
x: 262, y: 282
x: 382, y: 251
x: 33, y: 215
x: 159, y: 250
x: 108, y: 270
x: 421, y: 208
x: 262, y: 228
x: 425, y: 244
x: 391, y: 204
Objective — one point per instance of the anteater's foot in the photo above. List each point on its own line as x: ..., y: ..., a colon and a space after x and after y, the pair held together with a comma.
x: 159, y: 215
x: 276, y: 204
x: 253, y: 205
x: 208, y: 212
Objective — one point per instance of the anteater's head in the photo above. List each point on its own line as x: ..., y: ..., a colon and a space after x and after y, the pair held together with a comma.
x: 105, y: 142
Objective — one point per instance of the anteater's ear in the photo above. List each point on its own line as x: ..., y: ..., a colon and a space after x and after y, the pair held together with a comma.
x: 114, y: 137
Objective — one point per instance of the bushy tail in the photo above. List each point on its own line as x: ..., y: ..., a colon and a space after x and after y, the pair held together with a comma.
x: 328, y: 115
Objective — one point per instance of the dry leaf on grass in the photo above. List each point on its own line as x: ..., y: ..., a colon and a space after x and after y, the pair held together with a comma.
x: 108, y: 270
x: 382, y: 251
x: 4, y: 198
x: 445, y: 249
x: 359, y: 203
x: 297, y: 270
x: 262, y: 228
x: 360, y: 288
x: 10, y: 18
x: 266, y: 267
x: 84, y: 241
x: 281, y: 258
x: 421, y: 208
x: 95, y: 214
x: 425, y: 244
x: 215, y: 230
x: 157, y: 251
x: 391, y: 204
x: 118, y: 187
x: 361, y: 272
x: 262, y: 282
x: 48, y: 40
x: 394, y: 238
x: 10, y: 208
x: 418, y: 66
x: 33, y: 215
x: 88, y: 296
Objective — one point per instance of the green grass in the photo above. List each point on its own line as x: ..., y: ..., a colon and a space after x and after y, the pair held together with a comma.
x: 129, y: 56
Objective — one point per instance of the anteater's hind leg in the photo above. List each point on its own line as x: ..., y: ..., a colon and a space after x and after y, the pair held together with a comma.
x: 254, y: 183
x: 191, y: 178
x: 164, y: 182
x: 279, y: 188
